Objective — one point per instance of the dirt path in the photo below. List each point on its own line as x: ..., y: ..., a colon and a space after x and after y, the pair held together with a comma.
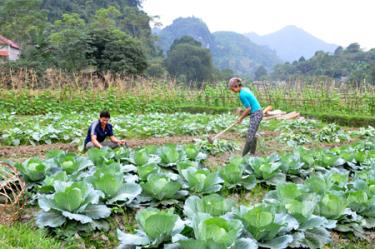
x: 26, y: 151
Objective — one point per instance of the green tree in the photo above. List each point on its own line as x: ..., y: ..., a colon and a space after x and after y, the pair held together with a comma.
x: 22, y: 20
x: 111, y: 48
x: 106, y: 18
x: 353, y: 48
x: 350, y: 63
x: 118, y: 54
x: 125, y: 15
x: 372, y: 74
x: 301, y: 59
x: 85, y: 8
x: 156, y: 67
x: 188, y: 61
x: 222, y: 75
x: 339, y: 50
x: 261, y: 73
x: 70, y: 42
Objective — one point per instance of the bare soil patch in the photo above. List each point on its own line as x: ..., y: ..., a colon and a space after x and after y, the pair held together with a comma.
x: 218, y: 161
x: 26, y: 151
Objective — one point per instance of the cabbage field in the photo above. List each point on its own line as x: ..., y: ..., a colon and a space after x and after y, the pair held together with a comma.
x: 310, y: 185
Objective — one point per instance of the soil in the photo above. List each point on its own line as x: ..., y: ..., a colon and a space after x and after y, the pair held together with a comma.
x: 266, y: 145
x: 26, y: 151
x: 217, y: 161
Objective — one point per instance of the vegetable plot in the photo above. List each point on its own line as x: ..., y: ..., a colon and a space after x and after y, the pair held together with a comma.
x: 70, y: 128
x: 180, y: 202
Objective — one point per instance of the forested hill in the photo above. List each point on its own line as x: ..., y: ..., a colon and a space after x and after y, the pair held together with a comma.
x: 229, y: 50
x: 130, y: 17
x: 73, y: 35
x: 85, y: 8
x: 235, y: 51
x: 346, y: 64
x: 189, y: 26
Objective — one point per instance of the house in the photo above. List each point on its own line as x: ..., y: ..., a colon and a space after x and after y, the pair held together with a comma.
x: 9, y: 50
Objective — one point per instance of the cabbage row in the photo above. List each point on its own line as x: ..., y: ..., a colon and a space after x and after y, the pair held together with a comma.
x: 52, y: 128
x: 306, y: 131
x: 314, y: 192
x: 72, y: 128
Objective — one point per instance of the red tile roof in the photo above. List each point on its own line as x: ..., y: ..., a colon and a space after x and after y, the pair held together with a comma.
x: 6, y: 41
x: 4, y: 54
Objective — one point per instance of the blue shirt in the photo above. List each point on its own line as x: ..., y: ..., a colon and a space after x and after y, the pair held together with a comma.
x: 249, y: 100
x: 96, y: 129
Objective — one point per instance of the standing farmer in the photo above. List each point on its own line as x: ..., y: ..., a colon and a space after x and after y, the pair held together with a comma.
x: 253, y: 108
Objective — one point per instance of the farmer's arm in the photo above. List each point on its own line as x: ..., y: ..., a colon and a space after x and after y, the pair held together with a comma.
x: 113, y: 138
x: 244, y: 114
x: 95, y: 141
x: 116, y: 141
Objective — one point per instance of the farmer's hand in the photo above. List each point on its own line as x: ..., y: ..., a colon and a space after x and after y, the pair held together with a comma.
x: 238, y: 111
x: 121, y: 142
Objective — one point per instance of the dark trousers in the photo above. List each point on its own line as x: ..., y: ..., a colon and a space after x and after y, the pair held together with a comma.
x: 251, y: 140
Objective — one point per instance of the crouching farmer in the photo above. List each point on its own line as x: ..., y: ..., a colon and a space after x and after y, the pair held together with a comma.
x: 253, y: 110
x: 99, y: 130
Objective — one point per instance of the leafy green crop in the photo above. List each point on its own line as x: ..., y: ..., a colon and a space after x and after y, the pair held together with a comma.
x: 217, y: 147
x: 235, y: 175
x: 71, y: 128
x: 213, y: 204
x: 213, y: 232
x: 161, y: 187
x: 33, y: 170
x: 202, y: 180
x: 141, y: 157
x: 332, y: 134
x: 169, y: 155
x: 156, y: 227
x: 110, y: 180
x: 332, y: 205
x: 267, y: 169
x: 191, y: 152
x: 261, y: 222
x: 332, y: 189
x: 77, y: 201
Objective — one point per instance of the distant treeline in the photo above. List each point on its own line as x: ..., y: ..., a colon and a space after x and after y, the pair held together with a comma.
x: 98, y: 36
x: 351, y: 64
x: 109, y: 35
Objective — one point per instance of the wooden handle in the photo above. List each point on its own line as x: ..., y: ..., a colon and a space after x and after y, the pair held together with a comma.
x: 222, y: 132
x: 267, y: 109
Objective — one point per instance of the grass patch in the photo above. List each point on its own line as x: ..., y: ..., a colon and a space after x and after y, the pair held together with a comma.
x: 343, y: 119
x: 123, y: 219
x: 353, y: 244
x: 25, y: 236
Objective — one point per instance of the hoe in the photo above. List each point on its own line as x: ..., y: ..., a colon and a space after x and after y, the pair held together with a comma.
x: 213, y: 138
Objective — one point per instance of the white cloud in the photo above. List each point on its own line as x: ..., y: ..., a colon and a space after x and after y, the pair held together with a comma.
x: 336, y: 21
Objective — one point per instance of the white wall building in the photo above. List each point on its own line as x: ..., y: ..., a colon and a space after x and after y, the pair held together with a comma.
x: 9, y: 50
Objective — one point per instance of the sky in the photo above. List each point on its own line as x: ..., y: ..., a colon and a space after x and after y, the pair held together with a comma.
x: 340, y: 22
